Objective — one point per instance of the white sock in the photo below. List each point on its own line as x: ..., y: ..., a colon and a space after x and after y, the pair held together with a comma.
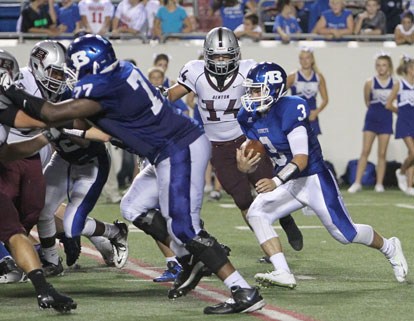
x: 90, y: 227
x: 110, y: 230
x: 279, y: 262
x: 236, y: 279
x: 171, y: 259
x: 51, y: 254
x: 388, y: 249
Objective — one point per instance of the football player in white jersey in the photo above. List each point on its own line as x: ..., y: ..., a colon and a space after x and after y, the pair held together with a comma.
x: 14, y: 224
x: 86, y: 165
x: 96, y: 15
x: 217, y: 82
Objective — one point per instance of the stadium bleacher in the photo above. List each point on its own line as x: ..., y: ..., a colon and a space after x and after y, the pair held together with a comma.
x: 9, y: 13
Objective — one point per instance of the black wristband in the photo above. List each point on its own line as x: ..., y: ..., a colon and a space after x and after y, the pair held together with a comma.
x: 31, y: 105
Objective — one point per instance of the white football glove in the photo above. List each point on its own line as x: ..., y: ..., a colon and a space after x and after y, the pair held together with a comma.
x: 5, y: 80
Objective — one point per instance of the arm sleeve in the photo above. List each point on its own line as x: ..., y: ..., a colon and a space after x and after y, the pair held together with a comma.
x: 298, y: 141
x: 8, y: 115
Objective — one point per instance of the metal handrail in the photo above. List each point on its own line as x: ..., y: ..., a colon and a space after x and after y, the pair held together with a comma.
x: 21, y: 36
x: 276, y: 36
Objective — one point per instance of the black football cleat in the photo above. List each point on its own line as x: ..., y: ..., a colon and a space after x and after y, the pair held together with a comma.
x: 50, y: 269
x: 243, y: 301
x: 292, y: 231
x: 72, y: 247
x: 192, y: 272
x: 53, y: 299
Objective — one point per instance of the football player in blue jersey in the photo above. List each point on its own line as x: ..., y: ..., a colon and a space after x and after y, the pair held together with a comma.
x: 115, y: 96
x: 281, y: 124
x: 86, y: 167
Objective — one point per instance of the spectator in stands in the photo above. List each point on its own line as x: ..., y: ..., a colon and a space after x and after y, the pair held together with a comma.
x: 36, y: 19
x: 96, y: 15
x: 315, y: 11
x: 231, y: 12
x: 404, y: 32
x: 372, y: 21
x: 130, y: 17
x: 285, y: 22
x: 392, y: 10
x: 302, y: 9
x: 68, y: 17
x: 249, y: 29
x: 171, y: 18
x: 152, y: 7
x: 335, y: 22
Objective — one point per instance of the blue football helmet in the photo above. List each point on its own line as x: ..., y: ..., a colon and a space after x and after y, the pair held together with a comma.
x: 265, y: 84
x: 90, y: 54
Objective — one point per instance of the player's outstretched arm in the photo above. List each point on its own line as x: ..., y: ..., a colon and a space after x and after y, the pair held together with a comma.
x: 23, y: 149
x: 176, y: 92
x: 49, y: 112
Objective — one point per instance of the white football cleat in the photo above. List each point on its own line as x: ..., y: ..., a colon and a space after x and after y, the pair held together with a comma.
x: 409, y: 191
x: 120, y: 245
x: 379, y: 188
x: 104, y: 246
x: 402, y: 180
x: 276, y: 278
x: 355, y: 187
x: 398, y: 261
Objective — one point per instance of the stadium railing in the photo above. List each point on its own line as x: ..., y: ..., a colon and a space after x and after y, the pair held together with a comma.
x: 198, y: 35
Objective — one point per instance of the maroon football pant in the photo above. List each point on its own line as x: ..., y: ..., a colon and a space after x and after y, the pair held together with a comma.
x: 234, y: 182
x: 23, y: 183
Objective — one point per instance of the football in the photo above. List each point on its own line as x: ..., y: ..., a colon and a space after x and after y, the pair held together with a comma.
x: 255, y: 145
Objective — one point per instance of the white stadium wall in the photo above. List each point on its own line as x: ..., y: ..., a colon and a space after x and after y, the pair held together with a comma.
x: 345, y: 66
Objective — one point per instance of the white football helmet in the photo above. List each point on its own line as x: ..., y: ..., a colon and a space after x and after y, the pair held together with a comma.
x: 47, y: 64
x: 9, y: 64
x: 221, y: 41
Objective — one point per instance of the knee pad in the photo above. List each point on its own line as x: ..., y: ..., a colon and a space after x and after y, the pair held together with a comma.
x: 262, y: 228
x: 365, y: 234
x: 154, y: 224
x: 206, y: 248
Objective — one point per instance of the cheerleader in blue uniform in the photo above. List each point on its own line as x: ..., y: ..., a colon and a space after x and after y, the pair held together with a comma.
x: 378, y: 121
x: 306, y: 83
x: 403, y: 91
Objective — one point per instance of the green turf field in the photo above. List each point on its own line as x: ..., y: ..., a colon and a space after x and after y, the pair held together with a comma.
x: 335, y: 282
